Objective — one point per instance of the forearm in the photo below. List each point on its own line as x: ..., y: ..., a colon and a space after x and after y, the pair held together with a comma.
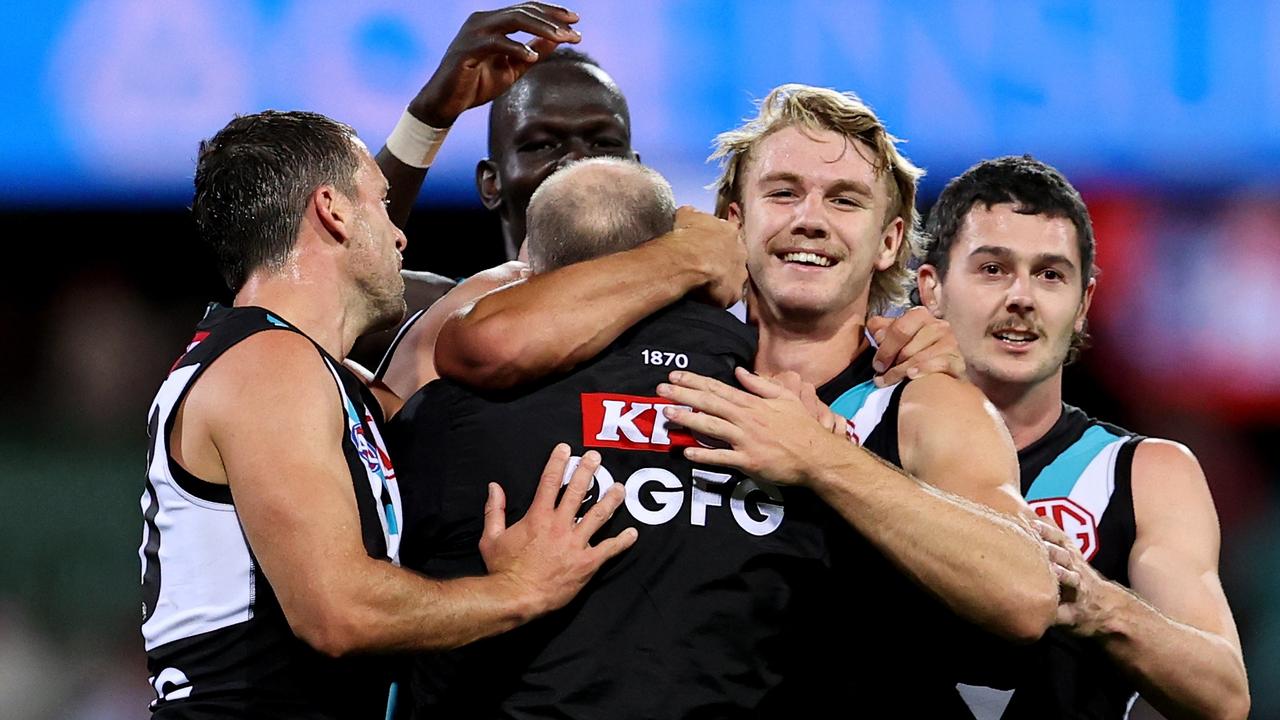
x: 405, y: 182
x: 984, y: 565
x: 390, y: 609
x: 556, y: 320
x: 1182, y: 671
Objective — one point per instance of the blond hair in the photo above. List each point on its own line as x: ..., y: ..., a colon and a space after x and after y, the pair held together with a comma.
x: 815, y: 109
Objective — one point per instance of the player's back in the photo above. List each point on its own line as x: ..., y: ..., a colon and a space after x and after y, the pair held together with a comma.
x: 694, y: 619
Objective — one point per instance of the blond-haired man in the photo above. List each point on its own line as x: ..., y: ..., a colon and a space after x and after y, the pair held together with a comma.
x: 826, y: 204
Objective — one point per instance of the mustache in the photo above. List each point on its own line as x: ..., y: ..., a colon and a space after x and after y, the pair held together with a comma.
x: 1012, y: 323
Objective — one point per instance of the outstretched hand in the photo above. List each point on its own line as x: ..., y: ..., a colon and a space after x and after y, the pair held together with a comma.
x: 548, y: 554
x: 482, y: 61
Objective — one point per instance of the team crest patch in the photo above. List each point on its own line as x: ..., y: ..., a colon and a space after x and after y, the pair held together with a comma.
x: 1075, y: 521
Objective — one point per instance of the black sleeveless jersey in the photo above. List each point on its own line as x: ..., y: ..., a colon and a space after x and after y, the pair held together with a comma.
x: 1078, y: 476
x: 874, y: 620
x: 698, y: 619
x: 218, y: 644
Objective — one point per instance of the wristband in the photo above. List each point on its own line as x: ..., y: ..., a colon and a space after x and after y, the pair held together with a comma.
x: 414, y: 142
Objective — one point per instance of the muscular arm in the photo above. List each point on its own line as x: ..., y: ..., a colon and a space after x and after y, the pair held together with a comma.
x: 413, y: 364
x: 558, y: 319
x: 955, y: 521
x: 1176, y: 636
x: 271, y: 412
x: 982, y: 561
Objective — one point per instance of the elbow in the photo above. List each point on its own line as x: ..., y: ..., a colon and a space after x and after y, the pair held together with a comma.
x: 331, y: 632
x: 1238, y: 706
x: 484, y: 354
x: 1027, y: 612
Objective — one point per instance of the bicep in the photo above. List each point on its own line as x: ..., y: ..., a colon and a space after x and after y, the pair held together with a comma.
x: 280, y: 440
x: 1174, y: 560
x: 954, y: 440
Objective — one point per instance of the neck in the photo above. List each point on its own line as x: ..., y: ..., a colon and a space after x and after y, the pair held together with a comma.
x: 1029, y: 410
x: 307, y: 300
x: 817, y: 348
x: 512, y: 238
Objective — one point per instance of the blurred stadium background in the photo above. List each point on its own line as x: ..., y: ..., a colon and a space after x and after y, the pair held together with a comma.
x: 1165, y: 114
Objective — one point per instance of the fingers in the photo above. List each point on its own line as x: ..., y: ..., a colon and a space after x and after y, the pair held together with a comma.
x: 1053, y: 534
x: 599, y: 514
x: 762, y: 386
x: 544, y: 498
x: 893, y: 339
x: 704, y: 401
x: 1060, y: 556
x: 716, y: 456
x: 1068, y: 579
x: 540, y: 21
x: 612, y: 547
x: 495, y: 511
x: 579, y: 483
x: 705, y: 424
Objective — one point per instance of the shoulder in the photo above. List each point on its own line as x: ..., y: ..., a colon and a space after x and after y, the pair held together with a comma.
x: 938, y: 399
x: 1168, y: 483
x: 267, y: 372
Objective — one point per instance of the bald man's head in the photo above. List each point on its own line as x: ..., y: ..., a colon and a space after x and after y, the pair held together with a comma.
x: 596, y: 207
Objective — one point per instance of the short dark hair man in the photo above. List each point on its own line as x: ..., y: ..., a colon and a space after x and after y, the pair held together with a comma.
x: 272, y: 515
x: 1010, y: 264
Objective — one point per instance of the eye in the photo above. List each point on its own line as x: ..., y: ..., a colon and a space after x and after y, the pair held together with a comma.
x: 781, y: 193
x: 990, y: 269
x: 845, y: 201
x: 609, y: 143
x: 1052, y: 275
x: 535, y: 146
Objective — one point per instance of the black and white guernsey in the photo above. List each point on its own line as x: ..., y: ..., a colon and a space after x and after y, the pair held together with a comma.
x: 217, y: 642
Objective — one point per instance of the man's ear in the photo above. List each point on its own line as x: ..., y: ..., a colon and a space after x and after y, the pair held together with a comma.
x: 733, y: 213
x: 890, y: 240
x: 488, y: 184
x: 334, y: 211
x: 1085, y: 303
x: 929, y: 285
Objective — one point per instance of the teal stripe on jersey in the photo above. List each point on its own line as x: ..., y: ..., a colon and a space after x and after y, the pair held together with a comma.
x: 1060, y: 476
x: 853, y: 399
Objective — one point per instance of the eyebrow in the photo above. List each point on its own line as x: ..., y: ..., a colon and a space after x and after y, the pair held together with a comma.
x: 1041, y: 259
x: 855, y: 186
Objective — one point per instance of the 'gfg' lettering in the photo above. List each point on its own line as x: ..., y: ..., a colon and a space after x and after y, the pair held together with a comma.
x: 655, y: 496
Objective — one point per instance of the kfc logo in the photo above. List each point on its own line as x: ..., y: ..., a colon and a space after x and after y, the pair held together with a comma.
x: 1074, y: 520
x: 630, y: 422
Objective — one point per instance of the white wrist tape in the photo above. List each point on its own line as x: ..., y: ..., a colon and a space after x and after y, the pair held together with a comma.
x: 414, y: 142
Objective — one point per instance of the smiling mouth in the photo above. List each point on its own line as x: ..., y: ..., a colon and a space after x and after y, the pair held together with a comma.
x: 1016, y: 337
x: 809, y: 259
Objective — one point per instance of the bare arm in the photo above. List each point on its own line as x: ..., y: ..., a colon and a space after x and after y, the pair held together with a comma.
x: 1175, y: 633
x: 480, y: 64
x: 998, y: 577
x: 413, y: 364
x: 271, y: 413
x: 558, y: 319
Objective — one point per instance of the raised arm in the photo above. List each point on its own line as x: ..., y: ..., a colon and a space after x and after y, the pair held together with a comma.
x: 479, y: 65
x: 956, y: 455
x: 1174, y: 634
x: 558, y: 319
x: 269, y: 413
